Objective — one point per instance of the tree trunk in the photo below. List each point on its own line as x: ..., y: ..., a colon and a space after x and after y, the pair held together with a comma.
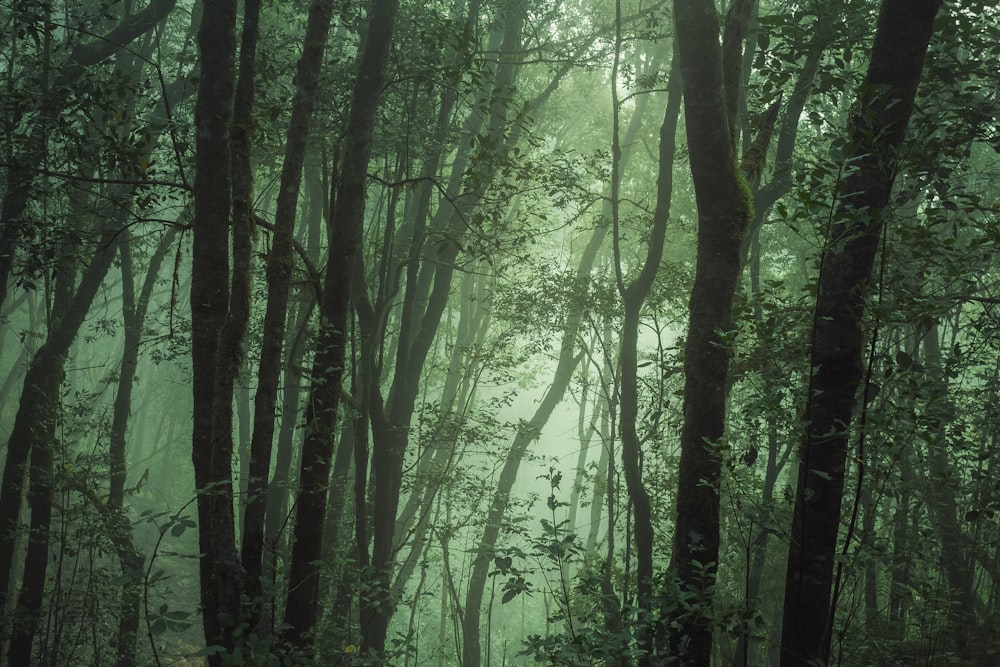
x: 280, y: 262
x: 955, y: 561
x: 528, y: 432
x: 390, y: 419
x: 724, y: 212
x: 321, y: 413
x: 884, y: 105
x: 633, y: 297
x: 130, y: 560
x: 211, y: 452
x: 413, y: 523
x: 35, y: 428
x: 276, y: 513
x: 244, y: 233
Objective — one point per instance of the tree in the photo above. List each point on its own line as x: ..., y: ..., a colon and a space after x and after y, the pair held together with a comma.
x: 34, y: 433
x: 21, y: 174
x: 711, y: 73
x: 440, y: 301
x: 633, y: 296
x: 280, y: 263
x: 328, y: 366
x: 878, y: 128
x: 220, y: 569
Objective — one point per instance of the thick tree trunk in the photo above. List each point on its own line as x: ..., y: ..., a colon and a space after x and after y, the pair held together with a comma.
x: 244, y: 228
x: 724, y: 212
x: 884, y: 105
x: 211, y: 452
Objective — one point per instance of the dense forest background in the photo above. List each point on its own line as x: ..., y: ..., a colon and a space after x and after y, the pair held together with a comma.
x: 500, y: 332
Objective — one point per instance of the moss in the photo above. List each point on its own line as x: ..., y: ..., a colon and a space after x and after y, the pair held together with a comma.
x: 744, y: 202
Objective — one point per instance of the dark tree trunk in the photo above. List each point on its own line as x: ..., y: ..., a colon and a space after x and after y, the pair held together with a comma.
x: 34, y: 429
x: 280, y: 263
x: 276, y: 514
x: 244, y: 233
x: 724, y: 212
x: 390, y: 419
x: 877, y: 130
x: 221, y: 572
x: 413, y: 523
x: 321, y: 412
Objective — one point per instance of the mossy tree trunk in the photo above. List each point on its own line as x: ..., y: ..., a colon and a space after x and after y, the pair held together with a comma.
x: 710, y: 73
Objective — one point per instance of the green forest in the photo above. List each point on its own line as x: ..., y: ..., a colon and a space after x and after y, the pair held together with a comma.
x: 499, y: 333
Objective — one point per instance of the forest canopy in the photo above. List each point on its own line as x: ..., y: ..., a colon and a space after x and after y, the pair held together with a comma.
x: 617, y: 333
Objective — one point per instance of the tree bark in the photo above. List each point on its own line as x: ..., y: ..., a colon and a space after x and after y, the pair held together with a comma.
x: 877, y: 130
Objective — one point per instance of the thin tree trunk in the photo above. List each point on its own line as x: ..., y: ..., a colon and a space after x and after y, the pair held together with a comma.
x: 633, y: 297
x: 390, y: 419
x: 321, y: 414
x: 276, y: 513
x: 884, y: 105
x: 901, y: 560
x: 34, y: 428
x: 279, y: 275
x: 471, y: 649
x: 130, y: 559
x: 941, y: 495
x: 748, y: 643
